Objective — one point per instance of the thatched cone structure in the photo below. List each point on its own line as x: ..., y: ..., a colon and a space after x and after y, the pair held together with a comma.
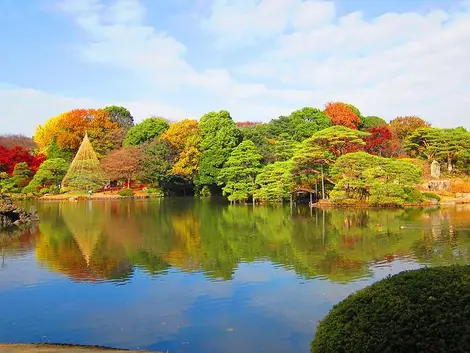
x: 85, y: 172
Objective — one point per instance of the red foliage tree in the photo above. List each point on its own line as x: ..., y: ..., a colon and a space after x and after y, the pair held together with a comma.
x: 242, y: 124
x: 380, y: 141
x: 10, y: 157
x: 341, y: 114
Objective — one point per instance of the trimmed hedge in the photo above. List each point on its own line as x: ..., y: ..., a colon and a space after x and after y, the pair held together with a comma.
x: 426, y: 310
x: 126, y: 193
x: 432, y: 196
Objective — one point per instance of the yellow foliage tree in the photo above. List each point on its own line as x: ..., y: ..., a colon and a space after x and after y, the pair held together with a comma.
x: 46, y: 133
x: 184, y: 138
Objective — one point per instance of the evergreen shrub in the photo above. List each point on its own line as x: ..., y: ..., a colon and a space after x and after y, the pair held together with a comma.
x: 126, y: 193
x: 426, y: 310
x: 432, y: 196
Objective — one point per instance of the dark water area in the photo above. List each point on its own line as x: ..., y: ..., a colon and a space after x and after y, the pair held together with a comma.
x: 189, y: 275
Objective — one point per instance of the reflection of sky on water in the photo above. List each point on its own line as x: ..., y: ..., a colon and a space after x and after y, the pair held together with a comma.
x: 22, y: 272
x: 179, y: 312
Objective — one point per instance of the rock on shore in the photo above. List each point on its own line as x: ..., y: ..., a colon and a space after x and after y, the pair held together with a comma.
x: 13, y: 215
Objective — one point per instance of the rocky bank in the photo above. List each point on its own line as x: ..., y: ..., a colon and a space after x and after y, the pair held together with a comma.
x: 12, y: 215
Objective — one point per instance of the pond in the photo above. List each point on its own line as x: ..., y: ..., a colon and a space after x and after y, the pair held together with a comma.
x: 189, y: 275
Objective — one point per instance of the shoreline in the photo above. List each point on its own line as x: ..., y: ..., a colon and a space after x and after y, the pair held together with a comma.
x: 105, y: 195
x: 141, y: 195
x: 60, y: 348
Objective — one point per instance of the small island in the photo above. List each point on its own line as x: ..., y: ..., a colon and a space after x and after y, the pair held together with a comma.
x: 330, y: 157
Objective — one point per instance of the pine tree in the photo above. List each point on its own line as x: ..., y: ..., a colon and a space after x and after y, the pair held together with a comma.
x: 239, y: 173
x: 85, y: 172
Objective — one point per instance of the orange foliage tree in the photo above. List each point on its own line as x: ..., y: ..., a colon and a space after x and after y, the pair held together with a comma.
x: 105, y: 135
x: 404, y: 126
x: 72, y: 127
x: 341, y: 114
x: 68, y: 129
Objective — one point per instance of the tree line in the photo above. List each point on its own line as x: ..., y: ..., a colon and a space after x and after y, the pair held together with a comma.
x: 335, y: 151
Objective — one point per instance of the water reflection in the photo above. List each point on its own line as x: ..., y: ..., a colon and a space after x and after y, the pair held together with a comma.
x: 100, y: 241
x: 183, y: 275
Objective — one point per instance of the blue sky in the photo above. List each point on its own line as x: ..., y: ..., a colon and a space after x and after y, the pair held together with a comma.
x: 256, y: 58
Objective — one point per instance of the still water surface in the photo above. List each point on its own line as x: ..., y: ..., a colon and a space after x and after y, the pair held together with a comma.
x: 184, y: 275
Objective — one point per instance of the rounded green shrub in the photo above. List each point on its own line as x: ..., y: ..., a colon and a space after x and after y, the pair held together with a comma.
x: 426, y: 310
x: 413, y: 195
x: 432, y: 196
x: 205, y: 191
x: 155, y: 192
x: 126, y: 193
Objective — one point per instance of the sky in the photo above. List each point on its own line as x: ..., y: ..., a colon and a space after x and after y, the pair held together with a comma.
x: 258, y: 59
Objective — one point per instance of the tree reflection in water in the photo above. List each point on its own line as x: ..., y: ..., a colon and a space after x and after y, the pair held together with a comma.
x: 107, y: 241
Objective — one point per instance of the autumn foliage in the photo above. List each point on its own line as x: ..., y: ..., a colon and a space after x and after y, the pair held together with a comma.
x: 68, y: 129
x: 10, y: 157
x: 341, y: 114
x: 171, y: 157
x: 404, y: 126
x: 380, y: 141
x: 242, y: 124
x: 184, y: 139
x: 124, y: 163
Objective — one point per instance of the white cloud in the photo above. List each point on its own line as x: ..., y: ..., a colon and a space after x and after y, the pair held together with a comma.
x: 119, y: 38
x: 306, y: 54
x: 23, y: 109
x: 390, y: 65
x: 238, y: 23
x: 312, y: 14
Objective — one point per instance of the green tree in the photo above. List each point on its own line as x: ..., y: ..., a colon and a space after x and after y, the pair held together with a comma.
x: 444, y: 144
x: 307, y: 121
x: 300, y: 124
x: 274, y: 182
x: 7, y: 184
x: 371, y: 121
x: 380, y: 181
x: 219, y: 136
x: 239, y: 173
x: 463, y: 161
x: 55, y: 151
x: 354, y: 109
x: 310, y: 165
x: 121, y: 116
x: 339, y: 140
x: 258, y: 134
x: 284, y: 148
x: 147, y: 130
x: 157, y: 162
x: 51, y: 172
x: 21, y: 174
